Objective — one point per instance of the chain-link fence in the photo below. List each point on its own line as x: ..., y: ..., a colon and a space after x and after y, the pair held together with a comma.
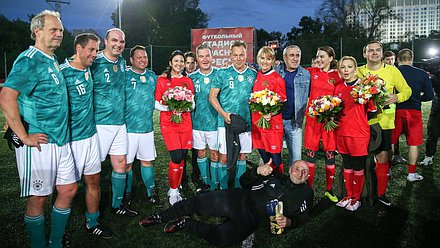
x: 158, y: 55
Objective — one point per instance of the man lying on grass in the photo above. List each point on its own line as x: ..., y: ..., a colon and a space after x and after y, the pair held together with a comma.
x: 261, y: 201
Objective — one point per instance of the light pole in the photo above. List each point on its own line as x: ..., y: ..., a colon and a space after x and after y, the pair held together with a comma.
x: 119, y: 14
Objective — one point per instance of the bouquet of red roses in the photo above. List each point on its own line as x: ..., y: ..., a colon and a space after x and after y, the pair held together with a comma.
x: 325, y: 109
x: 370, y: 87
x: 178, y: 99
x: 265, y: 102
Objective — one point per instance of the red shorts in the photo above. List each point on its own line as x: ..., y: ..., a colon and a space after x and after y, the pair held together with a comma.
x: 270, y: 142
x: 409, y: 122
x: 353, y: 146
x: 314, y: 132
x: 174, y: 141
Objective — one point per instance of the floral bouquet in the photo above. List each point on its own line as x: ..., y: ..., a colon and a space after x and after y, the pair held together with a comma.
x: 265, y: 102
x: 370, y: 87
x: 178, y: 99
x: 325, y: 109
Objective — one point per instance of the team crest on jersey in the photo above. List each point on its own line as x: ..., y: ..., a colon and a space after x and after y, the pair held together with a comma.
x: 240, y: 78
x: 185, y: 84
x: 86, y: 76
x: 37, y: 185
x: 206, y: 80
x: 265, y: 83
x: 331, y: 80
x: 56, y: 66
x: 143, y: 79
x: 250, y: 79
x: 115, y: 68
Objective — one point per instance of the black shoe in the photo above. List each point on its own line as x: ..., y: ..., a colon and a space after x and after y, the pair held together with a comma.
x: 150, y: 220
x: 203, y: 189
x: 155, y: 200
x: 101, y: 231
x: 176, y: 225
x: 127, y: 199
x: 125, y: 211
x: 397, y: 159
x: 66, y: 241
x: 384, y: 200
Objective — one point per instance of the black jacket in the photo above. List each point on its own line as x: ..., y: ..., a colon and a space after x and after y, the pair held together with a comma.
x: 297, y: 198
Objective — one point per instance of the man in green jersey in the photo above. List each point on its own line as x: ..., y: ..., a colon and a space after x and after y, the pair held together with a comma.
x: 229, y: 94
x: 204, y: 118
x: 140, y: 84
x: 35, y: 93
x: 84, y: 139
x: 109, y: 99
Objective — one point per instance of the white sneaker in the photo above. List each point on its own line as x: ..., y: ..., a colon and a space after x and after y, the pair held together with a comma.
x: 353, y: 206
x: 427, y: 161
x: 175, y: 197
x: 412, y: 177
x: 344, y: 202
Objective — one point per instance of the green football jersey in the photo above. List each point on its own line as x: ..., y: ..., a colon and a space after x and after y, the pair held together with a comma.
x: 108, y: 90
x: 43, y: 99
x: 235, y: 90
x: 80, y: 89
x: 204, y: 117
x: 139, y: 103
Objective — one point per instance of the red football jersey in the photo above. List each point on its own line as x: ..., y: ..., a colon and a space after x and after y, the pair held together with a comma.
x: 273, y: 82
x: 353, y: 121
x: 164, y: 84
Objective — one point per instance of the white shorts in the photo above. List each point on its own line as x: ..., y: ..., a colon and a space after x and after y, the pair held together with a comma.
x: 203, y: 138
x: 86, y: 156
x: 40, y: 171
x: 113, y: 140
x: 245, y: 141
x: 142, y: 146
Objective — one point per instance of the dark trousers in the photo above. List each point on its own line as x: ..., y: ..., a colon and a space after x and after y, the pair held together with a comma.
x: 233, y: 204
x: 433, y: 133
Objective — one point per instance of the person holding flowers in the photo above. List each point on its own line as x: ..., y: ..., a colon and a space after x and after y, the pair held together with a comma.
x: 268, y: 95
x: 394, y: 82
x: 175, y: 98
x: 323, y: 81
x: 353, y: 133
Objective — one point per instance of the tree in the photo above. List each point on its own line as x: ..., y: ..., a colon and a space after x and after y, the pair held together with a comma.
x: 17, y: 39
x: 339, y: 18
x: 165, y: 23
x: 377, y: 11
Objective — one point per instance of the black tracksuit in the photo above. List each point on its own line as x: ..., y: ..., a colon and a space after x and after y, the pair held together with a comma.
x: 244, y: 209
x: 434, y: 118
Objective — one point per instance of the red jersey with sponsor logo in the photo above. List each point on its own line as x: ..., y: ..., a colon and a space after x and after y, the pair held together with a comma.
x: 163, y: 84
x: 353, y: 121
x: 273, y: 82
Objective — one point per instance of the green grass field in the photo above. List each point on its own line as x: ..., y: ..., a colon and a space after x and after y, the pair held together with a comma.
x: 412, y: 221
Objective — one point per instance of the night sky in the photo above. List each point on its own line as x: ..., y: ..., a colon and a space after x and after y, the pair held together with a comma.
x: 272, y: 15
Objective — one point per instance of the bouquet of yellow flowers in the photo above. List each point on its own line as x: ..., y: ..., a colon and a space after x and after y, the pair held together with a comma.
x: 370, y: 87
x: 178, y: 99
x: 325, y: 109
x: 265, y: 102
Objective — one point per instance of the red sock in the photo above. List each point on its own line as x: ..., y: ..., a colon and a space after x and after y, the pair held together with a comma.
x: 174, y: 175
x: 281, y: 168
x: 348, y: 181
x: 382, y: 175
x: 312, y: 167
x: 358, y: 184
x: 329, y: 175
x: 411, y: 168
